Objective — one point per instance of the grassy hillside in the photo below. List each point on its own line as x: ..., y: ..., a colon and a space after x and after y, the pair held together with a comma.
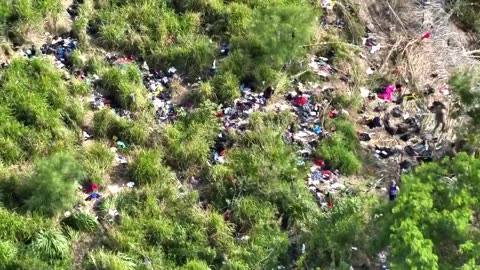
x: 110, y: 160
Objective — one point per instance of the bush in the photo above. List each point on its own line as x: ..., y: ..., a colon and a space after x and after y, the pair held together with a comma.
x: 123, y: 82
x: 35, y: 110
x: 97, y: 162
x: 149, y: 168
x: 51, y: 188
x: 81, y: 221
x: 101, y: 259
x: 341, y: 149
x: 51, y: 245
x: 8, y: 253
x: 466, y: 11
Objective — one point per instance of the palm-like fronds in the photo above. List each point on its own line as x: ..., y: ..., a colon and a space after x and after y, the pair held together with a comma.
x: 81, y: 221
x: 101, y: 259
x: 51, y: 244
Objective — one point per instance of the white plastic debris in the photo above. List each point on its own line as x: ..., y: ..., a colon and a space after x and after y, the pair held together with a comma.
x: 130, y: 184
x: 113, y: 212
x: 364, y: 92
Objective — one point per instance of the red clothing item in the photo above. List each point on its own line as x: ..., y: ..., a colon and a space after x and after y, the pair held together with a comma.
x: 300, y: 101
x: 333, y: 114
x: 223, y: 153
x: 327, y: 173
x: 92, y: 187
x: 427, y: 35
x: 220, y: 114
x: 319, y: 162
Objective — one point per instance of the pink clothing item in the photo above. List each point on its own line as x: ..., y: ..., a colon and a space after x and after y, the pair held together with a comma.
x: 427, y: 35
x: 387, y: 93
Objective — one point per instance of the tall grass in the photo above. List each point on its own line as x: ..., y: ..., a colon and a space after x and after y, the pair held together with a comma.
x: 102, y: 259
x: 35, y: 110
x: 122, y: 82
x: 149, y: 168
x: 81, y: 221
x: 106, y: 124
x: 188, y: 142
x: 342, y: 149
x: 17, y: 18
x: 51, y: 245
x: 97, y: 161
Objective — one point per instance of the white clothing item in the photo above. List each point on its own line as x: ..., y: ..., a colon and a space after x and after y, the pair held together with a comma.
x: 172, y: 70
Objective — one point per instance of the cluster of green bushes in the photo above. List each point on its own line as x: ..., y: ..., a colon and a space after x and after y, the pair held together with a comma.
x: 264, y: 36
x: 38, y: 113
x: 259, y: 190
x: 17, y: 18
x: 342, y: 148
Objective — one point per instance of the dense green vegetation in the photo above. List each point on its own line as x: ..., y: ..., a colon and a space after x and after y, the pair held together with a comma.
x: 168, y: 205
x: 466, y: 11
x: 17, y: 18
x: 38, y: 113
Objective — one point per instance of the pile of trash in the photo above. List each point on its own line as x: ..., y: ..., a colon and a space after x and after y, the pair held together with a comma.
x: 306, y: 133
x: 235, y: 118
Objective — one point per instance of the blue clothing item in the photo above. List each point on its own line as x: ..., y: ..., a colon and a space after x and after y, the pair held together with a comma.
x: 317, y: 175
x: 317, y: 129
x: 393, y: 192
x: 93, y: 196
x: 60, y: 52
x: 376, y: 121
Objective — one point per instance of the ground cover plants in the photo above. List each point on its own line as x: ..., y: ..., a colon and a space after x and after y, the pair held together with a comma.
x: 127, y: 185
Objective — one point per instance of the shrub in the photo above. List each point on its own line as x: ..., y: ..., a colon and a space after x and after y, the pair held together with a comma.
x: 13, y: 227
x: 101, y: 259
x: 97, y: 161
x: 466, y: 11
x: 122, y: 82
x: 35, y: 110
x: 51, y: 245
x: 51, y: 188
x: 107, y: 124
x: 8, y: 253
x: 81, y: 221
x: 149, y: 168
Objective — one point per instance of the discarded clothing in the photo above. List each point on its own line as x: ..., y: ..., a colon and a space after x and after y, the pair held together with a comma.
x: 364, y: 137
x: 300, y: 101
x: 393, y: 192
x: 384, y: 152
x: 373, y: 123
x: 93, y: 196
x: 387, y: 93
